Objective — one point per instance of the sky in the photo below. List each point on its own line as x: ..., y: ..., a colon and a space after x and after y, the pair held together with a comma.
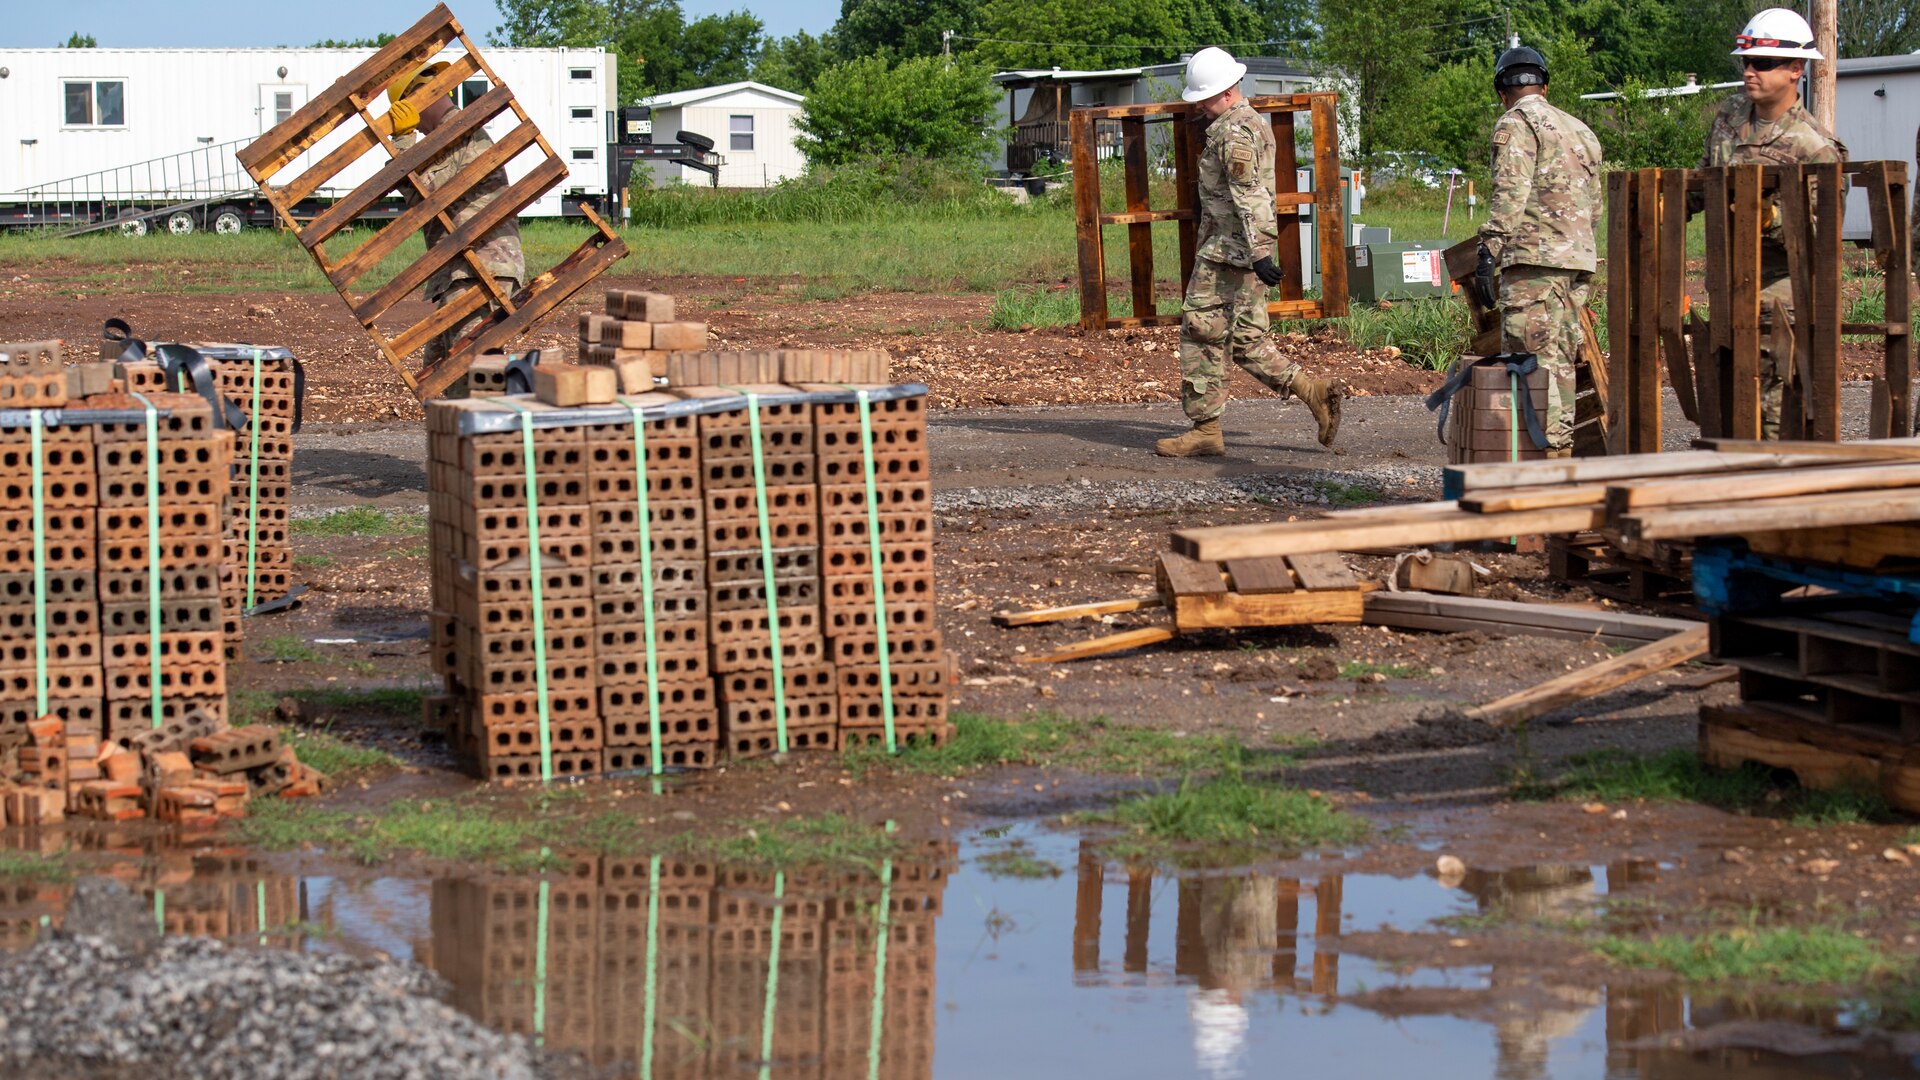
x: 240, y: 23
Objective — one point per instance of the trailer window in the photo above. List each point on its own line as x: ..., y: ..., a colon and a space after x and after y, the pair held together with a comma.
x: 282, y: 106
x: 739, y: 132
x: 471, y: 91
x: 581, y: 73
x: 583, y: 113
x: 95, y: 102
x: 583, y: 155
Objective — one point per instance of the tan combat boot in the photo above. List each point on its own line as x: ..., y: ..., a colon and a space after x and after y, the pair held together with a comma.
x: 1560, y: 452
x: 1203, y: 441
x: 1322, y: 398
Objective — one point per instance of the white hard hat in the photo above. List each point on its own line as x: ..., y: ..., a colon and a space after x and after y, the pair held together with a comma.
x: 1211, y: 70
x: 1777, y: 32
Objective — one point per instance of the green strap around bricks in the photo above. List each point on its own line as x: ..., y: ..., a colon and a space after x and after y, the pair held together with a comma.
x: 539, y: 598
x: 39, y: 567
x: 873, y: 553
x: 643, y: 510
x: 766, y: 567
x: 253, y: 486
x: 153, y: 559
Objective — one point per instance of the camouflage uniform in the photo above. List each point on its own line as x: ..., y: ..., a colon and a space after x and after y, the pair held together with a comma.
x: 1737, y: 137
x: 1539, y: 229
x: 498, y: 251
x: 1225, y: 312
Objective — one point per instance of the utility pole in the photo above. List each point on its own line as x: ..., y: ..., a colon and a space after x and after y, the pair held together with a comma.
x: 946, y: 44
x: 1826, y: 38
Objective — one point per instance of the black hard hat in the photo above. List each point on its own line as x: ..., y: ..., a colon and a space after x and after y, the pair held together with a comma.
x: 1519, y: 66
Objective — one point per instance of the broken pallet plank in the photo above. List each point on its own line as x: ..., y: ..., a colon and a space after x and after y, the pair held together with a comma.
x: 1075, y: 611
x: 1100, y: 646
x: 1593, y: 680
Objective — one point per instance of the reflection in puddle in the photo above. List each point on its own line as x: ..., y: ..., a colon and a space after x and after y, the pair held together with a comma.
x: 925, y: 966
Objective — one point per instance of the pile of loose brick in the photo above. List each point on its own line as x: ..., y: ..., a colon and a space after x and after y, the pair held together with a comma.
x: 714, y: 626
x: 102, y: 747
x: 714, y: 940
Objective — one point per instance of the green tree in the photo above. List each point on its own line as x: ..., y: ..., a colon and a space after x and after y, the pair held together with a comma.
x: 1879, y: 27
x: 901, y: 28
x: 656, y: 49
x: 78, y: 40
x: 793, y: 63
x: 1074, y: 33
x: 1641, y: 132
x: 1449, y: 114
x: 923, y: 107
x: 373, y: 42
x: 1383, y: 48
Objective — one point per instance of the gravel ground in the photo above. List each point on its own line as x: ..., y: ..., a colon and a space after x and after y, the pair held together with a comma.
x: 106, y: 997
x: 1319, y: 489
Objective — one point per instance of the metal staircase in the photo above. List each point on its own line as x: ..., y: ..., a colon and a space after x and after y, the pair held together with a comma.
x: 173, y: 193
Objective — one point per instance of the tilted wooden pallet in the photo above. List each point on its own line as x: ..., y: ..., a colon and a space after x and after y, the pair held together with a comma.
x: 352, y: 98
x: 1088, y: 126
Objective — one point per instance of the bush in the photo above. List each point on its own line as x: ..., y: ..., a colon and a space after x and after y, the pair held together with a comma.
x: 861, y: 191
x: 926, y: 107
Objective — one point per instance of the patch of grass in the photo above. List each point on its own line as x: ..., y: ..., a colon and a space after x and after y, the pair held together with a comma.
x: 1360, y: 669
x: 1051, y: 739
x: 1794, y: 956
x: 1026, y: 306
x: 1429, y: 333
x: 826, y: 840
x: 331, y: 755
x: 1343, y: 494
x: 411, y: 551
x: 35, y: 867
x: 1016, y: 860
x: 457, y: 830
x: 361, y: 521
x: 1869, y: 306
x: 1232, y: 811
x: 312, y: 561
x: 286, y: 648
x: 393, y: 702
x: 1679, y: 775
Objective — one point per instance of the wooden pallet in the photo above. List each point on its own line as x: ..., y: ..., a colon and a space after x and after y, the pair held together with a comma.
x: 1821, y: 756
x: 347, y: 105
x: 1664, y: 580
x: 1851, y: 667
x: 1086, y: 128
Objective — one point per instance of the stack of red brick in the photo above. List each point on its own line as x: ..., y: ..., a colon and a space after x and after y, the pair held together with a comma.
x: 257, y: 518
x: 765, y: 631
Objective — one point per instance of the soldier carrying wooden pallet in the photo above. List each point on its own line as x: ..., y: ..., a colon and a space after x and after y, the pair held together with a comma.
x: 1765, y: 124
x: 499, y: 251
x: 1225, y: 312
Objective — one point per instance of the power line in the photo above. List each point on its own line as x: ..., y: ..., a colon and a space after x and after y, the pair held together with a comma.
x: 1105, y: 45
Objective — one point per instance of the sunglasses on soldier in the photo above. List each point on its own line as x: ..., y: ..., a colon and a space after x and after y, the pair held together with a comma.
x: 1764, y: 63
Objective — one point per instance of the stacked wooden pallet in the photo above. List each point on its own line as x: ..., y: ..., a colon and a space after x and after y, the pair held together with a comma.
x: 684, y: 573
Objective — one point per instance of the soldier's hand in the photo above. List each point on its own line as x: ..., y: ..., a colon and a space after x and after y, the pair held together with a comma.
x: 1483, y: 280
x: 1267, y: 272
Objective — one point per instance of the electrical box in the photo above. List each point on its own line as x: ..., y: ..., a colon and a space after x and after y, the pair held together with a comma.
x: 1416, y: 271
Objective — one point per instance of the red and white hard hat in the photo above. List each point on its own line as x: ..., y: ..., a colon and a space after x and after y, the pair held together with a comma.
x: 1777, y: 32
x: 1211, y: 70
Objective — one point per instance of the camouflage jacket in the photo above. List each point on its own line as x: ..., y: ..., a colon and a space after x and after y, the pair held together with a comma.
x: 1546, y: 189
x: 499, y: 250
x: 1237, y: 223
x: 1737, y: 137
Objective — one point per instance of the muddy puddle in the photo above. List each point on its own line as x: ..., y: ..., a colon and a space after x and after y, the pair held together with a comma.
x: 1015, y: 951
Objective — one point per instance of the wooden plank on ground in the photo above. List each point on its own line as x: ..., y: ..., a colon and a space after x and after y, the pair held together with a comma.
x: 1458, y: 614
x: 1223, y: 542
x: 1075, y: 611
x: 1322, y: 571
x: 1188, y: 577
x: 1254, y: 577
x: 1593, y: 680
x: 1101, y: 646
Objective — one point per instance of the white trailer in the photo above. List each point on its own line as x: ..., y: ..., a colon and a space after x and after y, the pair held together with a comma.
x: 145, y: 138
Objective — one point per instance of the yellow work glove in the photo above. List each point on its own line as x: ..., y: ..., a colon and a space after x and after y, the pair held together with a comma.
x: 404, y: 116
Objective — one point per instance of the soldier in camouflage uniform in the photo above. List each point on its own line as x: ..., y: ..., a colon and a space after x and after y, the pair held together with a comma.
x: 1765, y: 124
x: 1539, y: 231
x: 498, y: 251
x: 1225, y: 312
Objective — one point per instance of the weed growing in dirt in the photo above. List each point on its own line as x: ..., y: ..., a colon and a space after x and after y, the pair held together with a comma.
x: 361, y: 521
x: 312, y: 562
x: 324, y: 751
x: 457, y: 830
x: 1016, y: 860
x: 1026, y: 306
x: 1795, y: 956
x: 286, y: 648
x: 826, y: 840
x: 399, y: 702
x: 1233, y: 811
x: 35, y: 867
x: 1868, y: 307
x: 1361, y: 669
x: 1344, y: 494
x: 1429, y: 333
x: 1096, y: 745
x: 1679, y: 775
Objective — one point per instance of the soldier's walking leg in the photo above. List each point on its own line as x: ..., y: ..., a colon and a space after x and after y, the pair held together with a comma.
x: 1253, y: 349
x: 1204, y: 320
x: 1536, y: 309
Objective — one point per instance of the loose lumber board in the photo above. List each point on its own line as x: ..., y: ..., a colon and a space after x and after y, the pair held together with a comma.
x: 1871, y: 548
x: 1628, y: 497
x: 1802, y: 512
x: 1100, y: 646
x: 1904, y: 449
x: 1722, y: 455
x: 1074, y: 611
x: 1457, y: 614
x: 1444, y: 523
x: 1595, y: 679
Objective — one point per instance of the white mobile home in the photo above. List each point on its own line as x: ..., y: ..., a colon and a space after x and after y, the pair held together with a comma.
x: 751, y: 125
x: 154, y: 127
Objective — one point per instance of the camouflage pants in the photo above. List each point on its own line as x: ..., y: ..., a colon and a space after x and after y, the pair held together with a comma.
x: 1774, y: 373
x: 443, y: 343
x: 1225, y: 313
x: 1540, y: 314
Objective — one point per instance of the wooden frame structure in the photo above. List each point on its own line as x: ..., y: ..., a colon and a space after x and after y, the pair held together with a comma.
x: 353, y: 96
x: 1717, y: 376
x: 1139, y: 217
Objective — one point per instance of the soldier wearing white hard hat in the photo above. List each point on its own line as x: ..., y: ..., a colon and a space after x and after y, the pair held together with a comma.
x: 1765, y: 124
x: 1225, y: 310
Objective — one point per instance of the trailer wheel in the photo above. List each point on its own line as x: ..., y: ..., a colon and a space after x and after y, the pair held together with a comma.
x: 228, y: 220
x: 181, y: 223
x: 133, y: 227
